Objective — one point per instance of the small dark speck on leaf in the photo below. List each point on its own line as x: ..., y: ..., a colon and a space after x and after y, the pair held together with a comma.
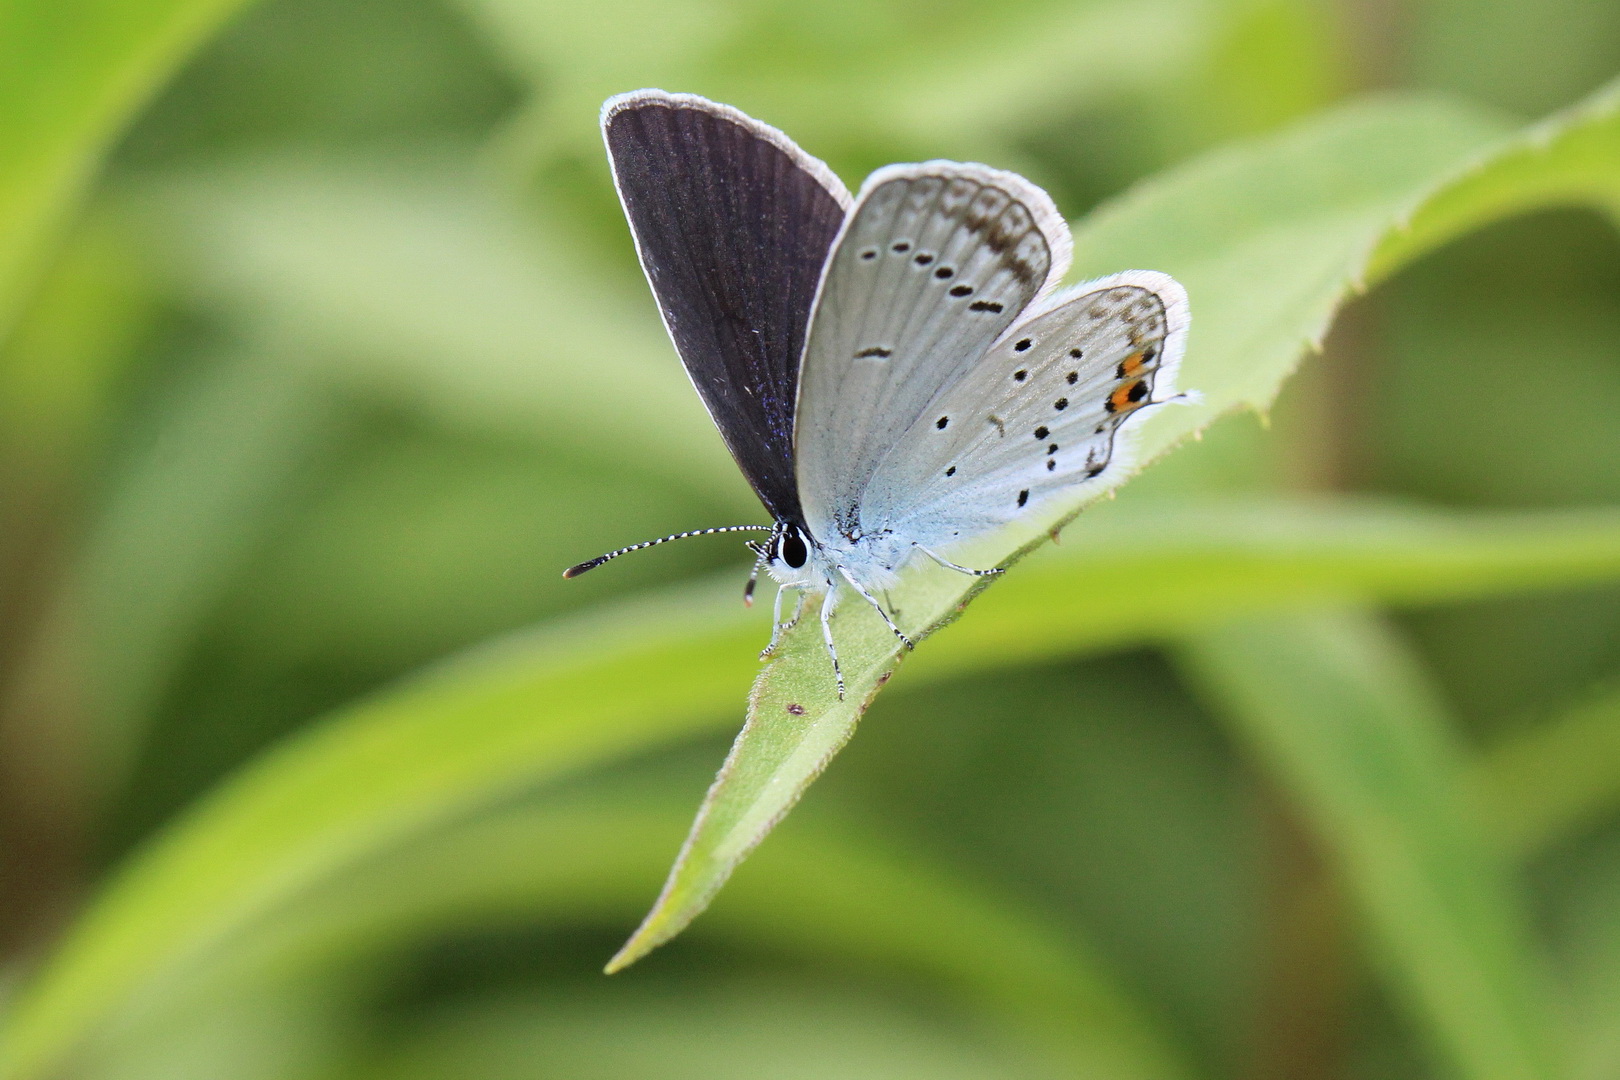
x: 795, y: 708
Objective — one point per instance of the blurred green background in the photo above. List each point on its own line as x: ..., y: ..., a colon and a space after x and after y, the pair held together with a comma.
x: 344, y: 354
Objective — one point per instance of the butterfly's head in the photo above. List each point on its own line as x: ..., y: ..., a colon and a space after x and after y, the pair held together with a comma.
x: 789, y: 555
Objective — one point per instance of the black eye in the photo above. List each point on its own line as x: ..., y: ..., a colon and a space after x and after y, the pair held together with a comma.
x: 793, y: 550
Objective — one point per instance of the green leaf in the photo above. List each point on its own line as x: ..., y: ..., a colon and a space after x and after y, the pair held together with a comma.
x: 1347, y: 724
x: 71, y: 76
x: 1570, y: 159
x: 1206, y: 562
x: 590, y: 689
x: 1269, y: 239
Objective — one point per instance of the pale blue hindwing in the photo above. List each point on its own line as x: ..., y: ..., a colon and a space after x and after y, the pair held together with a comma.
x: 1040, y: 414
x: 934, y: 263
x: 943, y: 392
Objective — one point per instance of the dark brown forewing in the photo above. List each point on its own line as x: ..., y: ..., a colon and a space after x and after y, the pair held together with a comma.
x: 733, y: 223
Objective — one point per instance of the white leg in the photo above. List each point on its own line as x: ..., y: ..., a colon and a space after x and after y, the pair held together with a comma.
x: 778, y: 627
x: 947, y: 564
x: 827, y: 606
x: 870, y: 599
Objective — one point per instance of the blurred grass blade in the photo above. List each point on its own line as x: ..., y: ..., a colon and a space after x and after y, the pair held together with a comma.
x: 515, y: 713
x: 1347, y: 724
x: 269, y: 1029
x: 1552, y: 779
x: 71, y: 75
x: 722, y: 1028
x: 1592, y: 963
x: 591, y: 689
x: 879, y: 85
x: 1269, y: 239
x: 423, y: 286
x: 824, y: 891
x: 1238, y: 556
x: 907, y: 915
x: 179, y: 521
x: 1252, y: 60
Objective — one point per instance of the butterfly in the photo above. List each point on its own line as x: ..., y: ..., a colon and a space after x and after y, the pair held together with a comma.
x: 895, y: 373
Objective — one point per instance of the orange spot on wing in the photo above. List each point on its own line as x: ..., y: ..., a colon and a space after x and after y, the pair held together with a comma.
x: 1120, y: 400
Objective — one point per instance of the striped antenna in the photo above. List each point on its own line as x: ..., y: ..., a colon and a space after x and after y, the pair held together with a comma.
x: 592, y: 564
x: 764, y: 553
